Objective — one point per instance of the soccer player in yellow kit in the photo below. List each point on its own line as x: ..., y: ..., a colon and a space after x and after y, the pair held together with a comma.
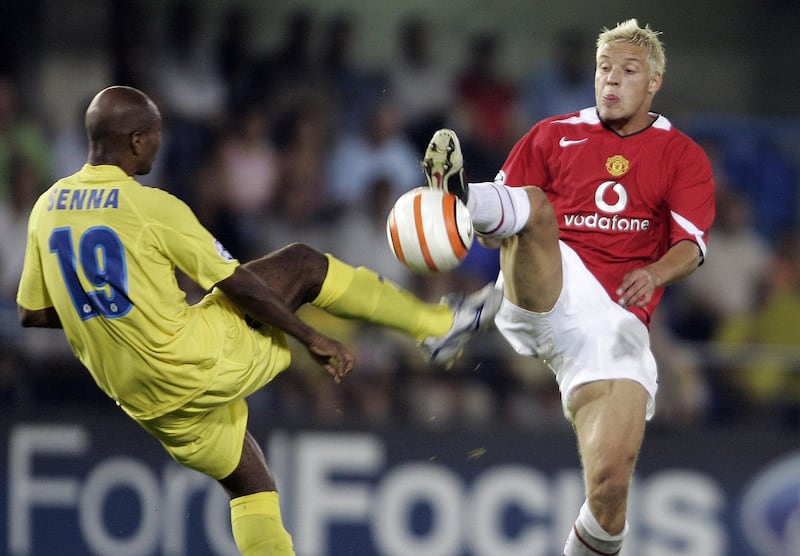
x: 100, y: 263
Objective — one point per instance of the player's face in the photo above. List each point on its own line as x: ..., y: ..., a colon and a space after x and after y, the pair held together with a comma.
x: 624, y: 87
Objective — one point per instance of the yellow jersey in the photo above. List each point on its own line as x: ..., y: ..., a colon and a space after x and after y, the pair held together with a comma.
x: 102, y: 250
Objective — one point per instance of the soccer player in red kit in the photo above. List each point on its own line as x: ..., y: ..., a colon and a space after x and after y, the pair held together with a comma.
x: 594, y: 213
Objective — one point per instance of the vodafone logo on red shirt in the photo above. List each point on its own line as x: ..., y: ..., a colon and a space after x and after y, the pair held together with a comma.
x: 600, y: 196
x: 611, y: 199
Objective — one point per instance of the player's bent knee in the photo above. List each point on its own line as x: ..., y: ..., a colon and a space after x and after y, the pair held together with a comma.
x: 542, y: 218
x: 303, y: 252
x: 299, y: 261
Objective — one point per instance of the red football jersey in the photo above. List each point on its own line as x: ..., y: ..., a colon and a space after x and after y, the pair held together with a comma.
x: 621, y: 202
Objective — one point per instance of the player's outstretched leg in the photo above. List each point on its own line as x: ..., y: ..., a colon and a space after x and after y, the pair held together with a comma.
x: 442, y: 329
x: 443, y: 164
x: 299, y: 274
x: 496, y: 210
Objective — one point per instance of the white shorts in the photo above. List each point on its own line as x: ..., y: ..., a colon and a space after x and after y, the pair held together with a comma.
x: 585, y: 337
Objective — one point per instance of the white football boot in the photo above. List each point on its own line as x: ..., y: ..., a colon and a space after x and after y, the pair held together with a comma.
x: 443, y: 164
x: 472, y: 314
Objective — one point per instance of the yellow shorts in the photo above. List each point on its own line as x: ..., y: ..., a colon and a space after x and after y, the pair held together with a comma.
x: 207, y: 433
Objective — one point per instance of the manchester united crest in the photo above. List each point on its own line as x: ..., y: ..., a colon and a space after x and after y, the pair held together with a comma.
x: 617, y: 165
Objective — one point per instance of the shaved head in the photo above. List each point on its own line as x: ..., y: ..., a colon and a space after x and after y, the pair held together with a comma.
x: 118, y: 112
x: 118, y: 121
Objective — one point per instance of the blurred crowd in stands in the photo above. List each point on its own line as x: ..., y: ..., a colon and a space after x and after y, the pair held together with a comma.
x: 299, y: 143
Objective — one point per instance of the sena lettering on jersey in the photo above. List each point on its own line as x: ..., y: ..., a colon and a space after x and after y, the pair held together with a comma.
x: 609, y: 205
x: 83, y: 199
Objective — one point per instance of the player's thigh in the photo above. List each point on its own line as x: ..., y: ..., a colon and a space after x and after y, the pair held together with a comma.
x: 251, y: 354
x: 209, y: 442
x: 207, y: 432
x: 294, y: 273
x: 609, y: 420
x: 531, y: 260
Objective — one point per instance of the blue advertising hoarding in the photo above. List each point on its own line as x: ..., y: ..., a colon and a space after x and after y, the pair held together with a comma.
x: 97, y: 484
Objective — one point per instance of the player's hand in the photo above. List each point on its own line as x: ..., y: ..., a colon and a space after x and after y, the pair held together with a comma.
x: 637, y: 288
x: 334, y: 357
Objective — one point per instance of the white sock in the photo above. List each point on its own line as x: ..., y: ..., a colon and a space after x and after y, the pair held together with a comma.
x: 588, y: 538
x: 498, y: 210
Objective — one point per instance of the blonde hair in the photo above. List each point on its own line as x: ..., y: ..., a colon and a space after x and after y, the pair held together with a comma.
x: 630, y: 32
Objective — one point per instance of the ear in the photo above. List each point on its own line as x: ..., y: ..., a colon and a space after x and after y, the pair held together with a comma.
x: 655, y: 83
x: 136, y: 142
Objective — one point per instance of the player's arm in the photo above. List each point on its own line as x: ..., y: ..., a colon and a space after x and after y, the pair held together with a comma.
x: 253, y: 295
x: 39, y: 318
x: 690, y: 201
x: 679, y: 261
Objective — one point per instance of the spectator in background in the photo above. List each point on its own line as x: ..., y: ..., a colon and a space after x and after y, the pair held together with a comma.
x: 421, y: 85
x: 129, y: 46
x: 189, y: 84
x: 21, y: 135
x: 234, y: 56
x: 758, y: 165
x: 380, y: 148
x: 764, y: 364
x: 485, y: 96
x: 302, y: 137
x: 25, y: 184
x: 487, y: 104
x: 239, y: 188
x: 767, y: 175
x: 287, y: 70
x: 731, y: 282
x: 68, y: 144
x: 563, y: 83
x: 685, y: 390
x: 17, y: 372
x: 352, y: 90
x: 192, y: 93
x: 360, y: 232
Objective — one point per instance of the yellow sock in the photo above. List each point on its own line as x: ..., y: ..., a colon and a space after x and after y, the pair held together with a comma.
x: 360, y: 293
x: 257, y: 526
